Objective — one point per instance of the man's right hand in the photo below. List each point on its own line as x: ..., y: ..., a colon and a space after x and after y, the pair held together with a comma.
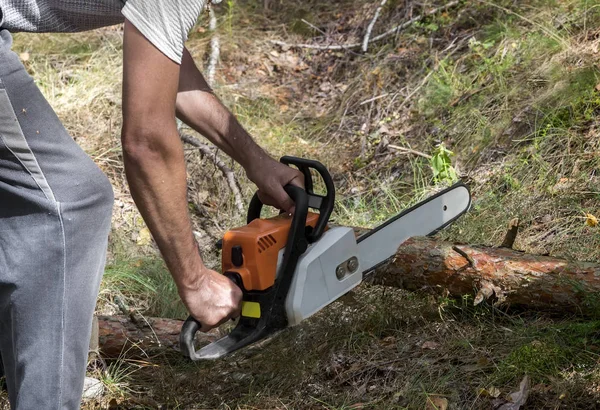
x: 212, y: 299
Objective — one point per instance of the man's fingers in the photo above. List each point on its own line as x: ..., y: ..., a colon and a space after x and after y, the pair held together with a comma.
x: 284, y: 201
x: 298, y: 180
x: 278, y: 198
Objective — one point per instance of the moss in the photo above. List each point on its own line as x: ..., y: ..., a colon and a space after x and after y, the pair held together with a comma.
x: 554, y: 349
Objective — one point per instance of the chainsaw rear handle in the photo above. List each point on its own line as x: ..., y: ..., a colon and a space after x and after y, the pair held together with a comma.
x: 324, y: 203
x: 243, y: 334
x: 191, y: 326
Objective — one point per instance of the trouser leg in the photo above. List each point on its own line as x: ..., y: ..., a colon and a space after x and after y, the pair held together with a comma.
x: 55, y: 209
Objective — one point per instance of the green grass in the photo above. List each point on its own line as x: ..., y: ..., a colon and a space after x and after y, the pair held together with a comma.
x: 145, y: 284
x: 548, y: 352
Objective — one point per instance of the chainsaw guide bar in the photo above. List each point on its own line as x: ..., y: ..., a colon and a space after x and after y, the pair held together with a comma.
x: 290, y: 267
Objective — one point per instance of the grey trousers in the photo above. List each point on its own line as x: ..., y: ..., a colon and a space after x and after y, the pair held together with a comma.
x: 55, y: 211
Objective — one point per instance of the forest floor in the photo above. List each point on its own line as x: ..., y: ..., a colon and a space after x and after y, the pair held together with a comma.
x: 512, y: 88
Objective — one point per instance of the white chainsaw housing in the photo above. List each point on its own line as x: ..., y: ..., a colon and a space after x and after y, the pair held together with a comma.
x: 316, y: 282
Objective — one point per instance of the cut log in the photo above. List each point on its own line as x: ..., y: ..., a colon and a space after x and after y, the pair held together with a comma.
x: 501, y: 275
x: 504, y: 276
x: 119, y: 336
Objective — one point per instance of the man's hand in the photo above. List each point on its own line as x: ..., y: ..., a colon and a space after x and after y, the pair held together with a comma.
x: 212, y: 300
x: 270, y: 177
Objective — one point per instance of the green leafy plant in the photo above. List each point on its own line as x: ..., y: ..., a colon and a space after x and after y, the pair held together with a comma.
x: 441, y: 164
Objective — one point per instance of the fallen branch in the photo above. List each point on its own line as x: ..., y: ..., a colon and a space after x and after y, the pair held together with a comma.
x: 408, y: 151
x: 504, y: 276
x: 225, y: 170
x: 215, y: 47
x: 394, y: 30
x: 365, y: 43
x: 374, y: 98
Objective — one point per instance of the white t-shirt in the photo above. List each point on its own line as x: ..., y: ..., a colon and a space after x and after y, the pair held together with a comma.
x: 165, y: 23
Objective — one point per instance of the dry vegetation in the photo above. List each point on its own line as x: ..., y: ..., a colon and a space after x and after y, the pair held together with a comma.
x: 512, y: 88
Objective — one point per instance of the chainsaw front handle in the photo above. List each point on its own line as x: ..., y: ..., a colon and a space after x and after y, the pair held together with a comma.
x: 247, y: 331
x: 323, y: 203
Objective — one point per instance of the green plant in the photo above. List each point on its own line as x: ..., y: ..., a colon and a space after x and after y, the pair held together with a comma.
x: 441, y: 165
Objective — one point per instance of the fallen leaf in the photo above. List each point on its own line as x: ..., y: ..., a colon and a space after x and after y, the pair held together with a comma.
x: 436, y: 403
x: 598, y: 87
x: 389, y: 341
x: 24, y: 56
x: 493, y: 392
x: 144, y: 237
x: 591, y: 220
x: 518, y: 398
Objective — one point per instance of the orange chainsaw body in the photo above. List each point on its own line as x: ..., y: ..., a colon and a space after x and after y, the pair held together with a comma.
x: 252, y: 250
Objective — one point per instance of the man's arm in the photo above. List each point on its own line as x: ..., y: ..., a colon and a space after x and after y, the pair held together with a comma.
x: 155, y: 169
x: 199, y: 108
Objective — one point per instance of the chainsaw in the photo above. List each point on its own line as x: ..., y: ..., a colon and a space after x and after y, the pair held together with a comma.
x: 291, y: 266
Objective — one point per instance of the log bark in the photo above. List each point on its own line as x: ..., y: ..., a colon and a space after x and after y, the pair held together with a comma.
x: 505, y: 276
x: 120, y: 336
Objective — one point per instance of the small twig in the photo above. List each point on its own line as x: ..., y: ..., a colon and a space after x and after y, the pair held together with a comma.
x: 511, y: 234
x: 311, y: 25
x: 464, y: 255
x: 374, y: 99
x: 225, y: 170
x: 365, y: 43
x: 408, y: 151
x: 394, y: 30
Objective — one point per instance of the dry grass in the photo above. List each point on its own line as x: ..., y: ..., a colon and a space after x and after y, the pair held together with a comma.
x: 509, y: 88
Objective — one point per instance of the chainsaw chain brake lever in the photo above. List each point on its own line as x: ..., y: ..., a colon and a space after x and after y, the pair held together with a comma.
x: 323, y: 203
x: 273, y: 318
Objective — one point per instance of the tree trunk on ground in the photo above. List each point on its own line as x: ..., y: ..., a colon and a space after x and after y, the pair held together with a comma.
x: 504, y: 276
x: 120, y: 336
x: 501, y: 275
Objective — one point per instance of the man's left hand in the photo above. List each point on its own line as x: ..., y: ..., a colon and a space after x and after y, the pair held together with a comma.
x: 270, y: 177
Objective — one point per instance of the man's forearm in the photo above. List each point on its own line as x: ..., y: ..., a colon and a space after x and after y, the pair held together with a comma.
x: 153, y: 154
x: 159, y: 186
x: 199, y: 108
